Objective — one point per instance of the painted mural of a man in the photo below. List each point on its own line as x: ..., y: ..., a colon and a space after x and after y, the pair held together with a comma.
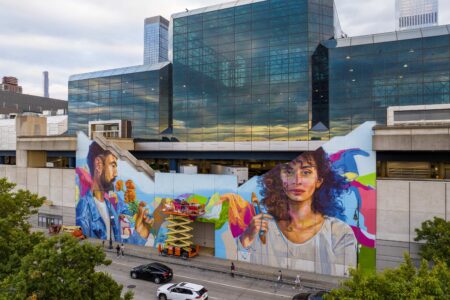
x: 95, y: 213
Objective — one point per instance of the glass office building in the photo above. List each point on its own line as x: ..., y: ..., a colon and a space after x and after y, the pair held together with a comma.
x: 369, y: 73
x: 156, y: 35
x: 140, y: 94
x: 244, y: 72
x: 412, y: 14
x: 275, y: 70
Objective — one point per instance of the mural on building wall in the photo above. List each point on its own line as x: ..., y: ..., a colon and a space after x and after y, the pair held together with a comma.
x: 315, y: 213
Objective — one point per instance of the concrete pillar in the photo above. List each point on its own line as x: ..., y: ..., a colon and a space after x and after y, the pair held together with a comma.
x: 21, y: 158
x: 383, y: 169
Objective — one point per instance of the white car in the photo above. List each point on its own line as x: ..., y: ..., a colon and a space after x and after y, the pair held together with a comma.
x: 183, y: 290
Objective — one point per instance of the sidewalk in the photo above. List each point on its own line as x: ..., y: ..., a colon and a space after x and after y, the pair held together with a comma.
x: 207, y: 262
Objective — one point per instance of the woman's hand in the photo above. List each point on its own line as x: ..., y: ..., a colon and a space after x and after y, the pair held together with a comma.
x: 259, y: 223
x: 143, y: 222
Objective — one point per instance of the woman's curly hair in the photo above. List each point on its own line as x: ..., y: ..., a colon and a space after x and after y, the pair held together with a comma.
x: 326, y: 197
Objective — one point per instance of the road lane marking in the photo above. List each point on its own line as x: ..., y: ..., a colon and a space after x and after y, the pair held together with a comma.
x: 234, y: 286
x: 218, y: 283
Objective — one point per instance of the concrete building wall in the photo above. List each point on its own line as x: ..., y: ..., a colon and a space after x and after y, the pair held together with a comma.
x: 31, y: 126
x: 56, y: 125
x: 402, y: 206
x: 8, y: 134
x: 57, y: 185
x: 203, y: 234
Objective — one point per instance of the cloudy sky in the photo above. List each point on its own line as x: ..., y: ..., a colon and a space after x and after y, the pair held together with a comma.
x: 68, y: 37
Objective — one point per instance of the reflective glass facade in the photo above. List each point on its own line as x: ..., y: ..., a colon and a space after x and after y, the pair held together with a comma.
x: 244, y: 73
x: 365, y: 79
x: 143, y: 97
x: 156, y: 40
x: 268, y: 71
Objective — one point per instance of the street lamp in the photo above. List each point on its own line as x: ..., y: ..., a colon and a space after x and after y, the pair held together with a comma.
x: 356, y: 218
x: 110, y: 231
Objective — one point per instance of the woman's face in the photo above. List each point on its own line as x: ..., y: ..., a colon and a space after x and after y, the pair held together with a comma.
x: 300, y: 179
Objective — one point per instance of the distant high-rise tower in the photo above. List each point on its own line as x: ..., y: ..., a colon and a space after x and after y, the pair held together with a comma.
x: 45, y: 75
x: 156, y: 36
x: 410, y: 14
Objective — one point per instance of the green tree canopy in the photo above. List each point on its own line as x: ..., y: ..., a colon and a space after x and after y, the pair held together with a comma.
x: 16, y: 241
x: 436, y: 234
x: 32, y: 266
x: 405, y: 282
x: 63, y: 268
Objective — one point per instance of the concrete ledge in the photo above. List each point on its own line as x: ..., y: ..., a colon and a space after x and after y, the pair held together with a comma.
x: 57, y: 143
x: 388, y: 142
x: 411, y: 138
x: 435, y: 142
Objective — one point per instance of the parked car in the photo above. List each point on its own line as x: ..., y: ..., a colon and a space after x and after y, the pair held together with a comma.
x: 155, y: 272
x: 183, y: 290
x: 310, y: 296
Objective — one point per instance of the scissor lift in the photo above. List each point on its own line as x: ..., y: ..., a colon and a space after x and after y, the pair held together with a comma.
x: 179, y: 236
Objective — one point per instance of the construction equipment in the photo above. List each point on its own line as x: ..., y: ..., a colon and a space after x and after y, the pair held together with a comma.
x: 179, y: 237
x: 75, y: 231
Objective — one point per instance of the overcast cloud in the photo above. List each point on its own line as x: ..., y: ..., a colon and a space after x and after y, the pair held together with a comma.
x: 68, y: 37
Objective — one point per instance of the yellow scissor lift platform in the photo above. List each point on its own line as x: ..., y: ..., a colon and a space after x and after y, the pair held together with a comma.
x: 179, y: 236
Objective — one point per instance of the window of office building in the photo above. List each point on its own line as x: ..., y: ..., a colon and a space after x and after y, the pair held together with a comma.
x: 243, y: 73
x: 45, y: 220
x: 366, y: 79
x: 414, y: 169
x: 144, y: 98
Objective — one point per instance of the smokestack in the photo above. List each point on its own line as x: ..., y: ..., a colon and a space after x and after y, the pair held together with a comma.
x: 45, y: 74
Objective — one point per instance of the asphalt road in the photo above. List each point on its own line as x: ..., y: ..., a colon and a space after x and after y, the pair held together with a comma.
x: 219, y: 285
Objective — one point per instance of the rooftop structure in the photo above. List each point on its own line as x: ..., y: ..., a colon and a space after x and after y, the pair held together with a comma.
x: 10, y: 84
x: 410, y: 14
x: 12, y: 104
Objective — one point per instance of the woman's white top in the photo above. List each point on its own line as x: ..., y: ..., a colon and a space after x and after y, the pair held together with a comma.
x: 332, y: 250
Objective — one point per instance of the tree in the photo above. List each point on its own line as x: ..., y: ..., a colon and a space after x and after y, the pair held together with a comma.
x: 63, y: 268
x: 16, y: 241
x: 436, y: 234
x: 33, y: 267
x: 405, y: 282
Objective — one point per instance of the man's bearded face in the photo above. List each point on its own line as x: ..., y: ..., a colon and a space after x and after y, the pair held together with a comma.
x: 109, y: 173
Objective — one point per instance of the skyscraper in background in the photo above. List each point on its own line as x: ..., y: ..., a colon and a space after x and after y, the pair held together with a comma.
x: 155, y: 40
x: 411, y: 14
x: 45, y: 83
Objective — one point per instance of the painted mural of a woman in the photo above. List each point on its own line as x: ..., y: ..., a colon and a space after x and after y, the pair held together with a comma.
x: 303, y: 229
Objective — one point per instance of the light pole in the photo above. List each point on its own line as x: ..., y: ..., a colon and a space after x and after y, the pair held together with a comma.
x: 356, y: 218
x: 110, y: 231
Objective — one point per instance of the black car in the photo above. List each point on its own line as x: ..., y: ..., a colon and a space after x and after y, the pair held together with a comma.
x: 310, y: 296
x: 155, y: 272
